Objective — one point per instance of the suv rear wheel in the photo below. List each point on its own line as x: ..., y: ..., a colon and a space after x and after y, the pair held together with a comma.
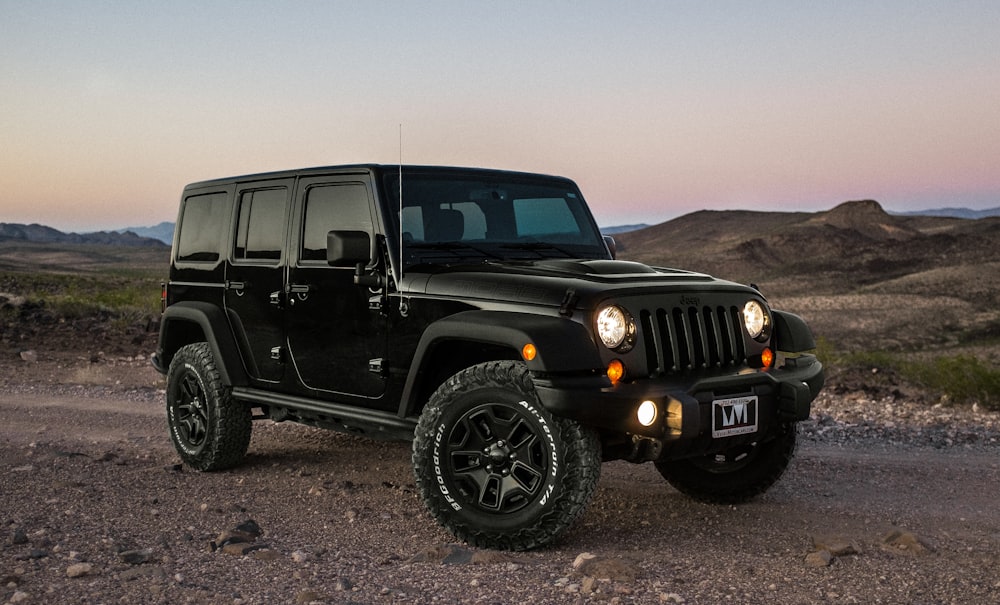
x: 210, y: 430
x: 494, y: 467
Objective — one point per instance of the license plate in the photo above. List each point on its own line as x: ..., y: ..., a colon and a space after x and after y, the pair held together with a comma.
x: 736, y: 416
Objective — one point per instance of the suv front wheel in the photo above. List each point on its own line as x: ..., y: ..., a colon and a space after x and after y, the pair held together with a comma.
x: 735, y: 475
x: 210, y: 430
x: 494, y: 467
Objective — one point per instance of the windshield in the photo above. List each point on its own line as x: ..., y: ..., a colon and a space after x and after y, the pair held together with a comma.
x: 454, y: 218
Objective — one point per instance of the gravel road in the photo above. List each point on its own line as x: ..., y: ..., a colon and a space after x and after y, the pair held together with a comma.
x: 886, y: 502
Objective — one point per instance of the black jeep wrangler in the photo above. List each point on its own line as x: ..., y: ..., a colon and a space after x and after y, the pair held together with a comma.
x: 480, y: 314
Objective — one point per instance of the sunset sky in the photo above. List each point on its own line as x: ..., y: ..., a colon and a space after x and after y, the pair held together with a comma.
x: 107, y: 109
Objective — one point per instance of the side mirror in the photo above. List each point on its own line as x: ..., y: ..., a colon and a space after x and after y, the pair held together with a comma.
x: 612, y: 246
x: 348, y: 248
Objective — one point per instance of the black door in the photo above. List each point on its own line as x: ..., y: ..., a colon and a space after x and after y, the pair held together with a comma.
x: 255, y: 277
x: 336, y: 336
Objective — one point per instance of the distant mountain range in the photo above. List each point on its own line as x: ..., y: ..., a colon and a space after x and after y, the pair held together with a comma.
x: 163, y: 233
x: 622, y: 229
x: 952, y: 212
x: 47, y: 235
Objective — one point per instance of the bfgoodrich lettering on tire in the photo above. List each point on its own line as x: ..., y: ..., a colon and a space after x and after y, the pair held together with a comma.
x: 494, y: 467
x: 209, y: 429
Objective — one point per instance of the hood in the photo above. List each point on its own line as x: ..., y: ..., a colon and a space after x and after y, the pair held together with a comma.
x: 547, y: 282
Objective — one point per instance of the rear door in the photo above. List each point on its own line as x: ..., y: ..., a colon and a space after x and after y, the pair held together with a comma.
x: 337, y: 337
x: 255, y: 276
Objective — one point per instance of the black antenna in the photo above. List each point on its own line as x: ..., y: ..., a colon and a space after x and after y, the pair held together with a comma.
x: 401, y: 230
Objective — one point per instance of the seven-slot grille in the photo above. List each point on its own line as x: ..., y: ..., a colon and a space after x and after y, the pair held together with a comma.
x: 691, y: 338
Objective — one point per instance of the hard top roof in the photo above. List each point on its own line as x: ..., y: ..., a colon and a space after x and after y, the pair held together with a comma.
x: 377, y: 169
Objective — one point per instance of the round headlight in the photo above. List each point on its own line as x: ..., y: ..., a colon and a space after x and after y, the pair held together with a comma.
x: 756, y: 320
x: 615, y: 328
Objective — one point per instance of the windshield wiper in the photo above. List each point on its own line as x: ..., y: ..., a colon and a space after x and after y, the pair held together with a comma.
x: 537, y: 247
x: 453, y: 247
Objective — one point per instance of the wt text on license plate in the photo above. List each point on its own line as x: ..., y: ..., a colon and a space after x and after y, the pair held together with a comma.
x: 735, y: 416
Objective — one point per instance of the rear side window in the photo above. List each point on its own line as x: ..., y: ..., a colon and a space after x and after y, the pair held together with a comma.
x: 202, y: 227
x: 335, y: 207
x: 260, y: 233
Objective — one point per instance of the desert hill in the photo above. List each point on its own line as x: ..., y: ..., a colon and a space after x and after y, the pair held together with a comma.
x: 865, y: 279
x: 855, y: 243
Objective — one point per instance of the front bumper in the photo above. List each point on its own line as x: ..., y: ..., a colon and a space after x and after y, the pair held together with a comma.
x: 684, y: 401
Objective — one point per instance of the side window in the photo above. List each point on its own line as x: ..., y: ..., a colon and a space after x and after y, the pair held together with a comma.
x: 260, y: 232
x: 334, y: 207
x: 203, y: 225
x: 544, y: 216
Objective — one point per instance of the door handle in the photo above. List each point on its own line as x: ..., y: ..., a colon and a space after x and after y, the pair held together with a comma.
x: 236, y: 286
x: 298, y: 291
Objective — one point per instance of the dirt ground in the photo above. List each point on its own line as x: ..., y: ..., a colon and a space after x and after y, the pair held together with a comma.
x: 887, y: 501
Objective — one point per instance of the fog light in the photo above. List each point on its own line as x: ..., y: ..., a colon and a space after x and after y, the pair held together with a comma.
x: 647, y: 413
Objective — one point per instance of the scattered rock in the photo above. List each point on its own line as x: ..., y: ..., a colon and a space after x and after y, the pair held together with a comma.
x: 836, y: 546
x: 35, y: 553
x: 18, y: 536
x: 29, y: 356
x: 433, y: 554
x: 240, y: 548
x: 265, y: 554
x: 903, y: 541
x: 819, y: 558
x: 308, y: 596
x: 148, y: 571
x: 458, y: 556
x: 250, y: 527
x: 343, y: 585
x: 136, y: 557
x: 491, y: 557
x: 605, y: 568
x: 78, y: 570
x: 19, y: 596
x: 300, y: 556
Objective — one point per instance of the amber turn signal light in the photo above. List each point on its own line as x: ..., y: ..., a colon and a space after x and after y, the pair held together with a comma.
x: 616, y: 371
x: 767, y: 358
x: 529, y: 352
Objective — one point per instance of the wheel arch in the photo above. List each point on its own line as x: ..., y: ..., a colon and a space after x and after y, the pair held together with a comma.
x: 470, y: 337
x: 189, y: 322
x: 791, y: 333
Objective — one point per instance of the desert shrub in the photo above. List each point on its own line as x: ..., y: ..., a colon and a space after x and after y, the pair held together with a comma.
x: 128, y: 294
x: 964, y: 378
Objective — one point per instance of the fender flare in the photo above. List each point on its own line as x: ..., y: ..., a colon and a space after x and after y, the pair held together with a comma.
x: 562, y: 345
x: 791, y: 333
x: 213, y: 324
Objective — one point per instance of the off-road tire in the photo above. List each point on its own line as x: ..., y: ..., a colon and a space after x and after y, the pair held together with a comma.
x: 494, y: 467
x: 210, y: 430
x: 734, y: 476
